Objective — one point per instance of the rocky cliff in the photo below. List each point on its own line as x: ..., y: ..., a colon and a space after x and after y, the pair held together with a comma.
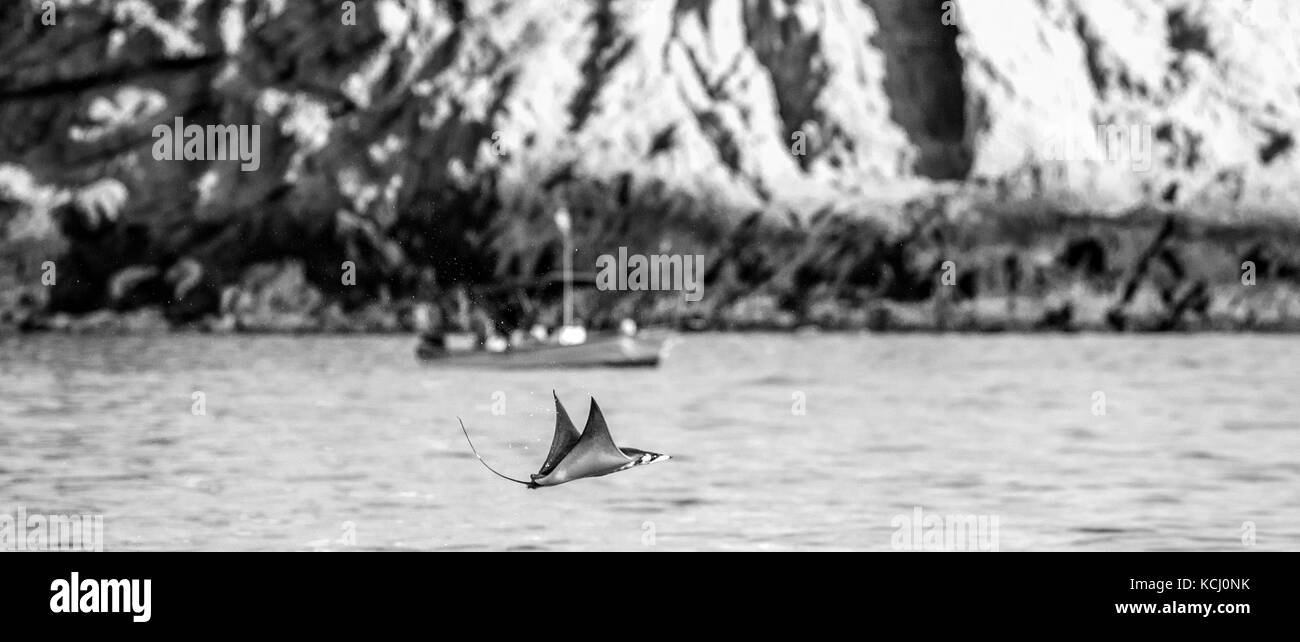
x: 792, y: 142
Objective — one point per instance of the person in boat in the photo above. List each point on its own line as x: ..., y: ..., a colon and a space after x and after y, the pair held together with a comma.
x: 496, y: 343
x: 493, y: 340
x: 541, y: 330
x: 429, y: 325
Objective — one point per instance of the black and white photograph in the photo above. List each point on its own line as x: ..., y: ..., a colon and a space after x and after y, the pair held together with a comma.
x: 882, y: 276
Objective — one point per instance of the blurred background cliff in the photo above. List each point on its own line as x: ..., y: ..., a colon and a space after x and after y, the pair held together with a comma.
x: 827, y: 157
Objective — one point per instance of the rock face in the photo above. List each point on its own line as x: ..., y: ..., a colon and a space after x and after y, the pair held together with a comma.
x: 425, y: 143
x: 1211, y: 84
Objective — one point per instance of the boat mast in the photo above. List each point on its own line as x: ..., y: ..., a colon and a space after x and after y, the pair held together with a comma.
x: 565, y: 224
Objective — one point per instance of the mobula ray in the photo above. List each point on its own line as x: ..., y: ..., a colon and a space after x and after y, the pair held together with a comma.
x: 575, y: 456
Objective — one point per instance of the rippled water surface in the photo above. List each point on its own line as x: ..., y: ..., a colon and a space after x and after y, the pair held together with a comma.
x: 316, y: 442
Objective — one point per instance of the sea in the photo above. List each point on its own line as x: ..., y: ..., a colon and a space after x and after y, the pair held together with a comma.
x: 877, y: 442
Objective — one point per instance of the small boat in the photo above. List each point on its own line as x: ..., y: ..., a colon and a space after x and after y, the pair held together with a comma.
x: 571, y: 347
x: 600, y: 350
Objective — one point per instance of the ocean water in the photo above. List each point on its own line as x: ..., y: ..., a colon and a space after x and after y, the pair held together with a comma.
x: 779, y: 442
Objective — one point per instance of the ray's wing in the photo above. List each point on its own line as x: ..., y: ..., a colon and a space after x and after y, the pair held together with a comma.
x: 566, y: 436
x: 595, y: 453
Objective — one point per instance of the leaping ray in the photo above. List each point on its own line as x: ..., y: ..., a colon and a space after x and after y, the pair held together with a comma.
x: 595, y: 453
x: 573, y: 456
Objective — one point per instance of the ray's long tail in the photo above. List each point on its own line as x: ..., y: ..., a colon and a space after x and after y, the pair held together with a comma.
x: 485, y: 464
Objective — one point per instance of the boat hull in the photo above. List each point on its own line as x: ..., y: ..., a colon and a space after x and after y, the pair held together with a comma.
x: 598, y: 352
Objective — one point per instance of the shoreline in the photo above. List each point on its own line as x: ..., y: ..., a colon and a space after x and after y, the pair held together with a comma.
x: 900, y: 320
x: 972, y: 268
x: 74, y: 329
